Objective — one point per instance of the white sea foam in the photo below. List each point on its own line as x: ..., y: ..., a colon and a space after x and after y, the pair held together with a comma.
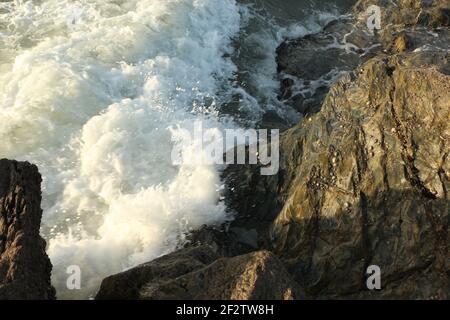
x: 91, y: 95
x: 94, y: 91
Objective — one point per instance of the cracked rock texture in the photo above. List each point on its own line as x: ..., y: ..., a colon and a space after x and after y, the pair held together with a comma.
x: 409, y: 13
x: 199, y: 274
x: 309, y: 65
x: 368, y: 183
x: 24, y: 265
x: 363, y: 182
x: 364, y: 178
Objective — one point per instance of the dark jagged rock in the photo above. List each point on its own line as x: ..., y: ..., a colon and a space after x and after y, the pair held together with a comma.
x: 24, y: 265
x: 255, y: 276
x: 129, y: 284
x: 311, y: 64
x: 198, y: 273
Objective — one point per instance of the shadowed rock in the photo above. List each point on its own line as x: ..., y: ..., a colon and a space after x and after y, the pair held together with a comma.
x: 190, y: 274
x: 24, y: 266
x: 366, y: 181
x: 309, y: 65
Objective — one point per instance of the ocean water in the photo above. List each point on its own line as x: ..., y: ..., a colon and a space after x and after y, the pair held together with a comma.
x: 94, y: 91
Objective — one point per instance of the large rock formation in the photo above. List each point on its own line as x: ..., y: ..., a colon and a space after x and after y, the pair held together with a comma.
x: 24, y: 266
x: 408, y: 13
x: 368, y: 181
x: 364, y: 178
x: 363, y: 182
x: 199, y: 273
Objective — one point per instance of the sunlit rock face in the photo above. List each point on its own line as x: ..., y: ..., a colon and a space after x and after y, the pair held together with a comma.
x: 368, y: 183
x: 365, y: 176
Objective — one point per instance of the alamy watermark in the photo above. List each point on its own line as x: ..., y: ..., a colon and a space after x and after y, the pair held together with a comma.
x: 73, y: 281
x: 233, y: 146
x: 374, y: 19
x: 374, y: 279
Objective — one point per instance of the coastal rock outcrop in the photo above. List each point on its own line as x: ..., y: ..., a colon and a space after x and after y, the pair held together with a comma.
x: 309, y: 65
x: 409, y: 13
x: 198, y: 274
x: 365, y: 181
x: 24, y: 265
x: 364, y: 178
x: 368, y: 183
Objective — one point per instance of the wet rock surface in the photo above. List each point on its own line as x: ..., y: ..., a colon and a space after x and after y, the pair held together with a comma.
x: 191, y: 274
x: 129, y: 284
x: 24, y: 266
x: 368, y: 183
x: 364, y: 178
x: 309, y: 65
x: 409, y: 13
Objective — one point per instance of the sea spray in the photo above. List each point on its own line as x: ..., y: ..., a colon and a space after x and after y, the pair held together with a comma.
x: 90, y: 97
x: 93, y: 93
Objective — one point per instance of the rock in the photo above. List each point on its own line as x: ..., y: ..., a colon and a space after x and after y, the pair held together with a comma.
x: 309, y: 65
x: 271, y: 120
x: 364, y: 181
x: 315, y: 55
x: 365, y: 184
x: 229, y: 240
x: 128, y: 285
x: 398, y: 212
x: 257, y: 275
x: 401, y: 43
x: 416, y: 19
x: 428, y: 13
x: 316, y: 61
x: 254, y: 198
x: 442, y: 17
x: 24, y: 265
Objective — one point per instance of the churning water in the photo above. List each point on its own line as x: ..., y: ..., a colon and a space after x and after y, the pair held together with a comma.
x: 93, y: 91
